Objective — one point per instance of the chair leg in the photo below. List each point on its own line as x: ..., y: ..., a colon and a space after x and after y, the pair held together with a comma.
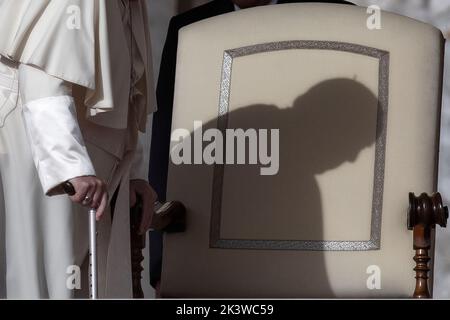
x: 169, y: 217
x: 137, y: 243
x: 424, y: 213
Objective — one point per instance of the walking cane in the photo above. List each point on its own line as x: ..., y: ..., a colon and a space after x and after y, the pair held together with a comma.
x: 93, y: 278
x: 169, y: 217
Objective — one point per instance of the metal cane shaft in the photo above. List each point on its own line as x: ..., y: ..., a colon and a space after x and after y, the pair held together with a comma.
x: 93, y: 280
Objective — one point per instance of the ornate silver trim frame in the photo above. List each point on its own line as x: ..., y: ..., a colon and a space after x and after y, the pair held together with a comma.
x: 377, y: 199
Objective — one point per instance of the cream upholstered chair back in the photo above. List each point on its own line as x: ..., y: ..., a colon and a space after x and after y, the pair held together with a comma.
x: 351, y: 117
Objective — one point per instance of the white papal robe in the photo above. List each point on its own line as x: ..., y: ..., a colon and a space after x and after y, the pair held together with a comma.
x: 75, y: 89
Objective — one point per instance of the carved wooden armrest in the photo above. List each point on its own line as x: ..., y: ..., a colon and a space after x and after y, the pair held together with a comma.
x: 424, y: 213
x: 169, y: 217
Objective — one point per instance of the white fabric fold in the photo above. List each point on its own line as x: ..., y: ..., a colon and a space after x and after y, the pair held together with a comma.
x: 56, y: 141
x: 84, y: 43
x: 140, y: 165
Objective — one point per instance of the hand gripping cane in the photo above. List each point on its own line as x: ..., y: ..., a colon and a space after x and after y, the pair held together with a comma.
x: 169, y: 217
x: 93, y: 278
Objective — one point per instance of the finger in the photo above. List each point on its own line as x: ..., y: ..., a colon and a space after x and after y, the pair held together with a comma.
x: 97, y: 197
x: 133, y: 197
x: 102, y: 207
x: 81, y: 191
x: 145, y: 216
x: 147, y: 213
x: 146, y: 222
x: 88, y: 200
x: 153, y: 195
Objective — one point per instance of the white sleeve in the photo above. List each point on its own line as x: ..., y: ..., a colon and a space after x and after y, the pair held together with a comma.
x: 141, y: 160
x: 57, y: 145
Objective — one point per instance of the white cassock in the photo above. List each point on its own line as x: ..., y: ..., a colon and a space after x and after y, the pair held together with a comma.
x: 76, y: 88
